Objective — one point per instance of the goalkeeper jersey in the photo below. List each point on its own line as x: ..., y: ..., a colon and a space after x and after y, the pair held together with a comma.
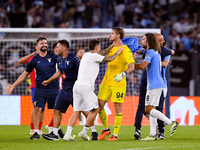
x: 118, y: 65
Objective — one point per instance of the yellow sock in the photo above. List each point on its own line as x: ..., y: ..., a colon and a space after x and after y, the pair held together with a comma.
x: 103, y: 118
x: 118, y: 121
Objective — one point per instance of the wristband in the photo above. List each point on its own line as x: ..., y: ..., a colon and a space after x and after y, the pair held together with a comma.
x: 126, y: 73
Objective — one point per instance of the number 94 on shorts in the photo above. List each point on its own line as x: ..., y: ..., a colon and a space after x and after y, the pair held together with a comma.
x: 116, y: 93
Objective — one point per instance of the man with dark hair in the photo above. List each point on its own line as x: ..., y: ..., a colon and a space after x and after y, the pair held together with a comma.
x: 155, y: 84
x: 84, y: 97
x: 45, y: 65
x: 68, y: 65
x: 114, y: 83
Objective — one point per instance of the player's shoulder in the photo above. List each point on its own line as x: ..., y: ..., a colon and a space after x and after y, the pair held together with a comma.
x: 59, y: 58
x: 72, y: 57
x: 126, y: 50
x: 34, y: 58
x: 165, y: 51
x: 51, y: 54
x: 151, y: 51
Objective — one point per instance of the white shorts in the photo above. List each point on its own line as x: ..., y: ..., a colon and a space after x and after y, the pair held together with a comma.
x: 165, y: 92
x: 84, y: 98
x: 153, y: 97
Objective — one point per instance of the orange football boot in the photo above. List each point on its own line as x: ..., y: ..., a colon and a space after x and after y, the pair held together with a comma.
x: 104, y: 133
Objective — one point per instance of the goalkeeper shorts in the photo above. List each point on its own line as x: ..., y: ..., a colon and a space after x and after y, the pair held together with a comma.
x: 116, y: 93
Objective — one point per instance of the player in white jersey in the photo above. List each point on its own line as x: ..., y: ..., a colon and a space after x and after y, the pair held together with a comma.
x: 155, y: 84
x: 83, y: 91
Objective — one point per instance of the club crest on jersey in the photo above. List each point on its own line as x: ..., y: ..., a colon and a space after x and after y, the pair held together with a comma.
x: 49, y: 59
x: 67, y: 62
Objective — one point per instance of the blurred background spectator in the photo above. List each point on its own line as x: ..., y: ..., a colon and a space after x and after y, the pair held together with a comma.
x: 183, y: 21
x: 181, y: 17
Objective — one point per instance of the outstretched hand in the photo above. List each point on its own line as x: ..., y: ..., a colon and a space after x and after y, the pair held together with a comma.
x: 9, y: 89
x: 134, y: 55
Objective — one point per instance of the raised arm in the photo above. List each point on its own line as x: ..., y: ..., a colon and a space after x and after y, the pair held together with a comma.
x: 25, y: 58
x: 105, y: 51
x: 54, y: 77
x: 112, y: 57
x: 21, y: 78
x: 165, y: 63
x: 142, y: 66
x: 173, y: 52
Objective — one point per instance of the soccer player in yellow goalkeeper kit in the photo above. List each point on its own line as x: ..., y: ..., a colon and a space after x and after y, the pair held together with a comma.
x: 114, y: 83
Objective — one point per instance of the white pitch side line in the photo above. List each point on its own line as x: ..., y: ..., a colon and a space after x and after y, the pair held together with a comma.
x: 156, y: 147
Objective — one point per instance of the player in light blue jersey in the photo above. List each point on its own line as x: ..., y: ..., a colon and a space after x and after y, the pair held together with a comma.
x: 155, y: 84
x: 165, y: 57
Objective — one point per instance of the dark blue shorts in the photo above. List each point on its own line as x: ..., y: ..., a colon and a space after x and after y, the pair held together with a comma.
x: 41, y: 97
x: 63, y: 100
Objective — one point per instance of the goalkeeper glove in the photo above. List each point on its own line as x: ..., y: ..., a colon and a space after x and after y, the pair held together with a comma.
x: 120, y: 76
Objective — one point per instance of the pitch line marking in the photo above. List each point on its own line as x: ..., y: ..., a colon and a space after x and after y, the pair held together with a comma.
x: 156, y: 147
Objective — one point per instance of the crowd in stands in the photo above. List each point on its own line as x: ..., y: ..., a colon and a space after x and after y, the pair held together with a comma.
x: 180, y: 16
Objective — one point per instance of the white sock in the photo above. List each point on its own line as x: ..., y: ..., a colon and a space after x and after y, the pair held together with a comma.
x: 93, y: 129
x: 157, y: 114
x: 36, y: 130
x: 85, y: 129
x: 69, y: 130
x: 147, y: 116
x: 153, y: 124
x: 55, y: 131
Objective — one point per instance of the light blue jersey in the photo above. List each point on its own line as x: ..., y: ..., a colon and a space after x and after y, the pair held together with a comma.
x: 154, y: 78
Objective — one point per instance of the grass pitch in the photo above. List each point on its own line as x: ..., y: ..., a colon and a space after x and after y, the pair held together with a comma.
x: 17, y: 138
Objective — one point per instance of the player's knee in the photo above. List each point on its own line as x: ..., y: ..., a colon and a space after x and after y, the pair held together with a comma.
x: 95, y: 110
x: 56, y: 112
x: 148, y: 109
x: 37, y: 110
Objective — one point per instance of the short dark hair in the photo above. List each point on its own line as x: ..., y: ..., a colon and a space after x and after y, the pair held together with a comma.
x: 165, y: 42
x: 120, y: 31
x: 39, y: 39
x: 54, y: 45
x: 93, y: 44
x: 64, y: 42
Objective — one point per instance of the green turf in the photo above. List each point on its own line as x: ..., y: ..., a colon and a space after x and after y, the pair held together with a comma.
x: 17, y: 138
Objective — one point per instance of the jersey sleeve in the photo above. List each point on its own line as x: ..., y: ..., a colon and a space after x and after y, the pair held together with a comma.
x: 76, y: 61
x: 149, y: 55
x: 98, y: 57
x: 128, y: 57
x: 167, y: 57
x: 58, y: 61
x: 54, y: 57
x: 168, y: 51
x: 31, y: 65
